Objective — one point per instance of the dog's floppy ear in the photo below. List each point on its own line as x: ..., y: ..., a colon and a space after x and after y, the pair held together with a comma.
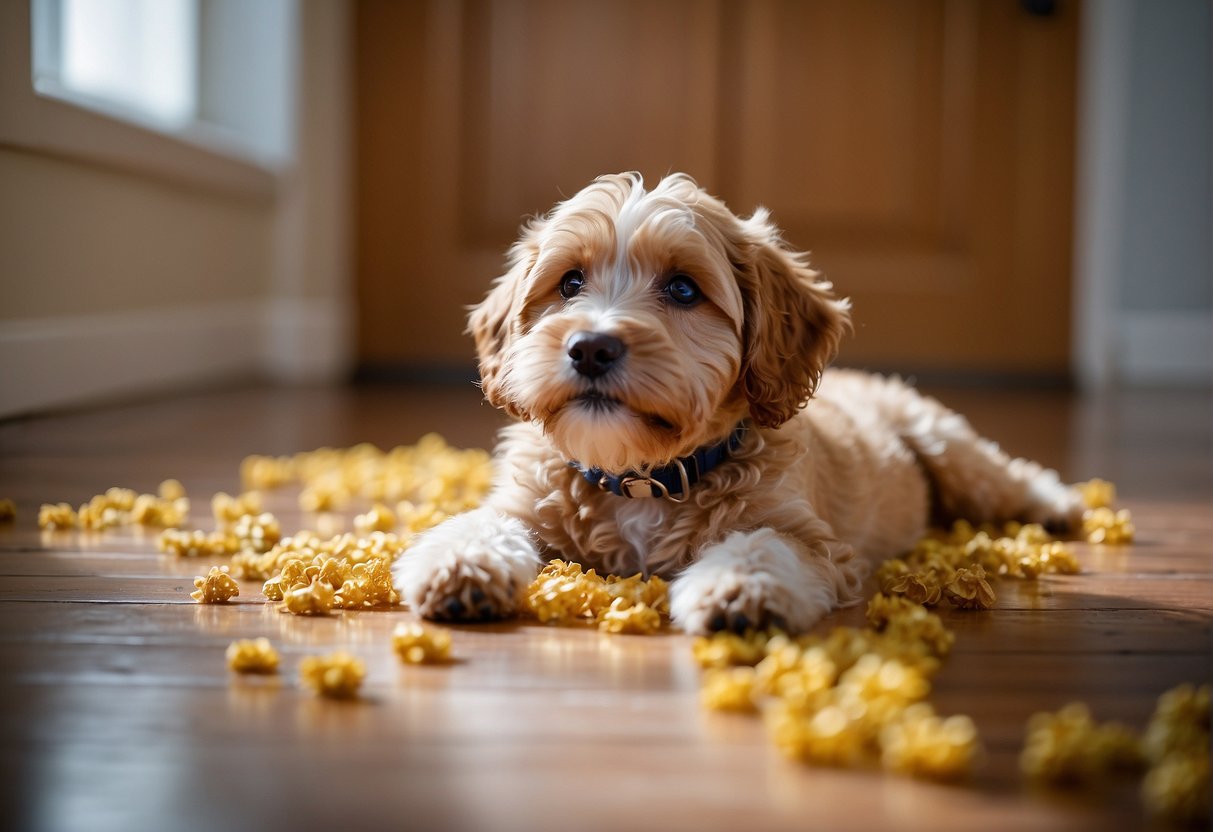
x: 493, y: 321
x: 793, y: 324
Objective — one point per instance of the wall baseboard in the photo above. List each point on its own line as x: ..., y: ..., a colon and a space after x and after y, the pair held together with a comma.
x: 1172, y: 347
x: 57, y: 362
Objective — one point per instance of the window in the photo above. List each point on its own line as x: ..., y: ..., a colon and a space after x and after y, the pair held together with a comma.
x: 214, y: 73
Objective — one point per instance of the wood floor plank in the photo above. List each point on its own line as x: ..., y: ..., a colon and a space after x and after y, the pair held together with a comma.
x: 117, y: 710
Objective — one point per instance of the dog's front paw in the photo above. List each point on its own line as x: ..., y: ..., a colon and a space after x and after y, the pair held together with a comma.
x: 472, y: 567
x: 753, y: 580
x: 1053, y: 504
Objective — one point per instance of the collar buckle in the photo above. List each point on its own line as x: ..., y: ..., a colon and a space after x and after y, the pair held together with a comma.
x: 634, y: 487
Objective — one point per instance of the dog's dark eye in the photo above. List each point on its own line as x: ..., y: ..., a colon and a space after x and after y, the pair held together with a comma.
x: 572, y: 283
x: 683, y: 290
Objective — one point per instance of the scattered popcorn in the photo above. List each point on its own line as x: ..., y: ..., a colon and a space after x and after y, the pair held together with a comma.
x: 724, y: 649
x: 562, y: 594
x: 337, y: 676
x: 1097, y: 493
x: 307, y: 546
x: 653, y: 592
x: 257, y: 533
x: 252, y: 656
x: 969, y: 589
x: 921, y: 588
x: 217, y: 587
x: 921, y: 744
x: 418, y: 644
x: 1102, y: 525
x: 906, y: 623
x: 1069, y: 747
x: 314, y: 598
x: 827, y: 736
x: 1180, y: 723
x: 379, y: 519
x: 1177, y: 788
x: 59, y: 516
x: 728, y: 689
x: 624, y: 616
x: 8, y: 510
x: 797, y: 676
x: 150, y: 510
x: 315, y: 500
x: 418, y: 518
x: 428, y: 481
x: 228, y: 509
x: 366, y: 584
x: 193, y: 544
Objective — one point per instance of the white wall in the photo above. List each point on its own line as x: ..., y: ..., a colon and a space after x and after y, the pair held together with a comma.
x: 130, y: 263
x: 1144, y: 310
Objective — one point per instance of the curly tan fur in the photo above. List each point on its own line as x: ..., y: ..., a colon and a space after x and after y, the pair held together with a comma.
x: 779, y: 534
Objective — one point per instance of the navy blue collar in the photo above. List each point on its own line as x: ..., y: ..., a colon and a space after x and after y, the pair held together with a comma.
x: 674, y: 480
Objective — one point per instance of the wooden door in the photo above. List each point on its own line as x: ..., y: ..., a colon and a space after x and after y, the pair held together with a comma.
x: 921, y: 149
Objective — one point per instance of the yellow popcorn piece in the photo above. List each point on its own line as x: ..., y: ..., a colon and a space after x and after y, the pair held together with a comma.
x: 920, y: 587
x: 171, y: 490
x: 728, y: 689
x: 1177, y: 788
x: 1113, y: 528
x: 725, y: 649
x: 336, y: 676
x: 1180, y: 723
x: 361, y: 585
x: 150, y: 510
x: 257, y: 533
x: 969, y: 589
x: 379, y: 519
x: 921, y: 744
x: 418, y: 644
x: 195, y: 543
x: 8, y: 510
x: 1070, y: 747
x: 1097, y: 493
x: 653, y: 592
x: 428, y: 481
x: 562, y: 592
x: 798, y: 677
x: 315, y: 499
x: 417, y: 518
x: 217, y: 587
x: 829, y: 736
x: 228, y: 509
x: 57, y: 516
x: 626, y: 616
x: 314, y: 598
x: 252, y: 656
x: 308, y: 546
x: 1176, y: 742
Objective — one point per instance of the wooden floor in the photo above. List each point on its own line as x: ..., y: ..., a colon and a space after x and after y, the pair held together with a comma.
x: 117, y: 712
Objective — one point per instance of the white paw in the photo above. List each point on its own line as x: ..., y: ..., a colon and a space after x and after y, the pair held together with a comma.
x: 753, y: 580
x: 472, y: 567
x: 1056, y: 506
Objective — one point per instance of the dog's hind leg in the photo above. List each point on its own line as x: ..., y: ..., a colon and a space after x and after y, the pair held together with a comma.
x: 974, y: 479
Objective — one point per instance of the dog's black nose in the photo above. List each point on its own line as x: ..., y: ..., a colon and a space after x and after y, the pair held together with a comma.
x: 593, y: 353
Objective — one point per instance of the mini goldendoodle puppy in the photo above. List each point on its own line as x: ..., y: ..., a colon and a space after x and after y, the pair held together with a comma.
x: 658, y: 352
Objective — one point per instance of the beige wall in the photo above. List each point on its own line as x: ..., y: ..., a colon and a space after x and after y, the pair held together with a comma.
x: 78, y: 239
x: 134, y: 262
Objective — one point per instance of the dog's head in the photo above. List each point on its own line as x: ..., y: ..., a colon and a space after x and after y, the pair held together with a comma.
x: 637, y: 325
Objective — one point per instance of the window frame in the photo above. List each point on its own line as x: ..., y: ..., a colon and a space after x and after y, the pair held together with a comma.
x: 45, y: 118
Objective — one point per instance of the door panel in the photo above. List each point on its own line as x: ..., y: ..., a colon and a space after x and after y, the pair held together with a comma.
x: 922, y: 150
